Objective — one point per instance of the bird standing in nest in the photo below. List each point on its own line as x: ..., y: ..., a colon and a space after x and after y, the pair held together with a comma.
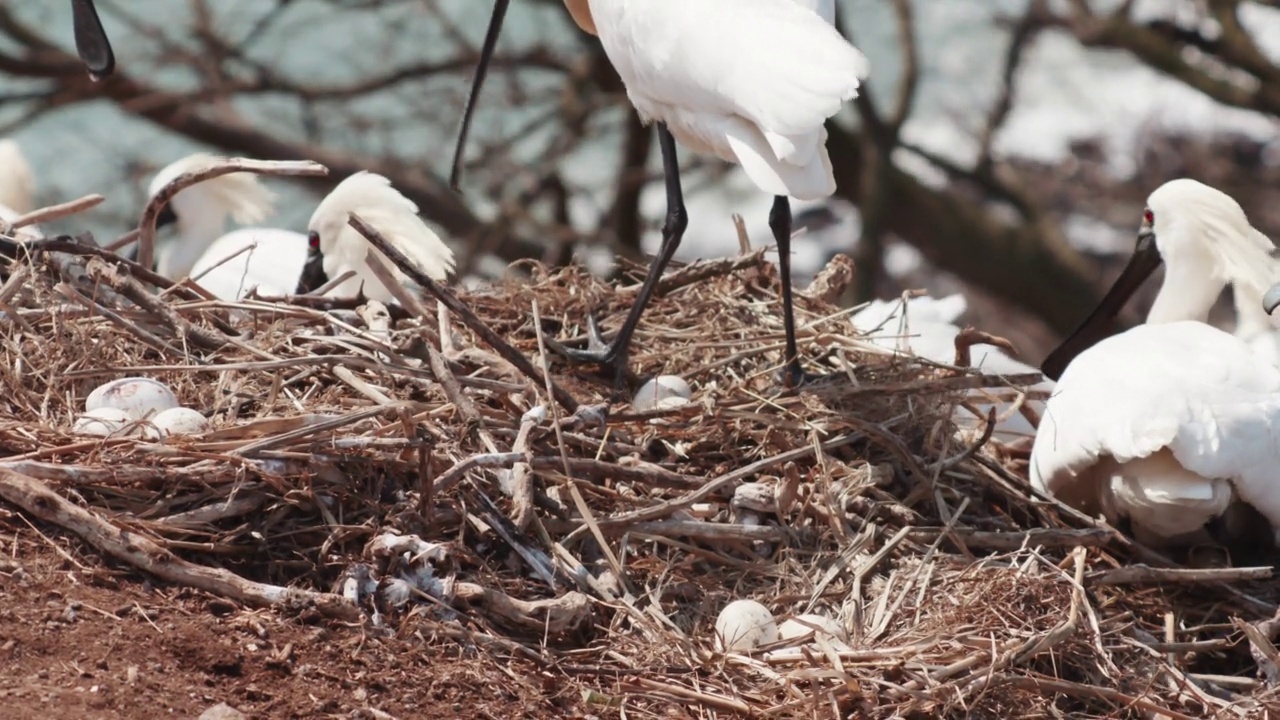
x: 749, y: 81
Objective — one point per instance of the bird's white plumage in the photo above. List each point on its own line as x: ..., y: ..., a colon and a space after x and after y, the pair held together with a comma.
x: 275, y: 264
x: 372, y: 197
x: 202, y: 210
x: 750, y: 81
x: 1206, y: 242
x: 926, y: 327
x: 17, y: 189
x: 1180, y: 391
x: 1169, y: 423
x: 17, y: 182
x: 272, y: 265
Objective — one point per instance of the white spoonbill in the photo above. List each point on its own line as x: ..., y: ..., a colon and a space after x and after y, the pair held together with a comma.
x: 343, y: 248
x: 277, y: 261
x: 925, y: 327
x: 749, y: 81
x: 1169, y: 426
x: 200, y: 213
x: 1205, y: 242
x: 91, y: 40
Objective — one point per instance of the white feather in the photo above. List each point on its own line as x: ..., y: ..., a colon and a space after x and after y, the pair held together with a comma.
x: 1181, y: 387
x: 756, y: 91
x: 272, y: 265
x: 395, y: 216
x: 17, y: 182
x: 1206, y: 242
x: 1169, y: 423
x: 202, y: 210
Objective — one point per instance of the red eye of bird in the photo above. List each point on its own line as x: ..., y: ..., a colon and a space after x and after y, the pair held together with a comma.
x: 313, y: 240
x: 1148, y: 216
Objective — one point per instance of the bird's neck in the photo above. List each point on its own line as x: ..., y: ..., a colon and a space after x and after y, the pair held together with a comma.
x: 1188, y: 293
x: 581, y: 12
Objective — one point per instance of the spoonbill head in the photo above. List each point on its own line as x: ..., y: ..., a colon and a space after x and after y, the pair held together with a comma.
x: 1172, y: 428
x: 1204, y: 240
x: 343, y: 248
x: 200, y: 211
x: 749, y: 81
x: 91, y: 40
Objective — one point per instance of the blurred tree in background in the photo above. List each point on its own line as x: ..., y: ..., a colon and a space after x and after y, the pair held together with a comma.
x: 561, y: 164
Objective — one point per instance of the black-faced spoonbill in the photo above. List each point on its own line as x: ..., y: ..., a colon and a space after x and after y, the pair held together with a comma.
x: 749, y: 81
x: 1205, y: 242
x: 1171, y: 427
x: 277, y: 261
x: 91, y: 40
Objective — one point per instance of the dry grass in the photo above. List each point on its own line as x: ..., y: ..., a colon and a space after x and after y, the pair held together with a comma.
x: 602, y: 550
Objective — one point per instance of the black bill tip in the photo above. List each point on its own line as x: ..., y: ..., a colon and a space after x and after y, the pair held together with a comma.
x: 91, y: 40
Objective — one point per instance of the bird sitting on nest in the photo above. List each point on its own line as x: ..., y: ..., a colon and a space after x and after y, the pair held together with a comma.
x: 1171, y: 427
x: 277, y: 261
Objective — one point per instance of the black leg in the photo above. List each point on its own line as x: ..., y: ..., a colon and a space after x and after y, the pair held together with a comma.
x: 614, y: 355
x: 780, y: 223
x: 477, y: 82
x: 91, y: 40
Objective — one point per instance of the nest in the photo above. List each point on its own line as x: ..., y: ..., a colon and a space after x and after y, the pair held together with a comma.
x: 445, y: 469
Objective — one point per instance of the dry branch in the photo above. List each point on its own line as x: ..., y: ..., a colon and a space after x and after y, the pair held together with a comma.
x: 36, y: 498
x: 223, y: 166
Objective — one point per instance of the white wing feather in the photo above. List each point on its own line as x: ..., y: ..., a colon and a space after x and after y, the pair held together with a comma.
x: 751, y: 81
x: 273, y: 267
x: 1185, y: 386
x: 776, y: 63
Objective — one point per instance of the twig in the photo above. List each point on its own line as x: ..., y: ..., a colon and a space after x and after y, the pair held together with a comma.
x: 37, y: 499
x: 469, y: 318
x: 1012, y: 541
x: 204, y: 339
x: 222, y: 166
x: 1041, y: 683
x: 53, y: 212
x: 729, y: 479
x: 1135, y: 574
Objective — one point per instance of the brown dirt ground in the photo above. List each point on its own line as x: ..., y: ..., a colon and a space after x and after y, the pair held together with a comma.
x: 80, y: 639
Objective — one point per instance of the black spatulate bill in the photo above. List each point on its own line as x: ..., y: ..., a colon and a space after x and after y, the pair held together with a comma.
x: 482, y: 69
x: 91, y: 40
x: 1103, y: 321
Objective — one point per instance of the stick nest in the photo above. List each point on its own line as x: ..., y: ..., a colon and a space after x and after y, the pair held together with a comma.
x: 404, y: 480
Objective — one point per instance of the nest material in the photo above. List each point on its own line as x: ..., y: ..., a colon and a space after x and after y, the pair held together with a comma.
x: 609, y: 545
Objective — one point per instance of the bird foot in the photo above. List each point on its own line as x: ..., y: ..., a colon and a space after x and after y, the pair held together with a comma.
x: 609, y: 357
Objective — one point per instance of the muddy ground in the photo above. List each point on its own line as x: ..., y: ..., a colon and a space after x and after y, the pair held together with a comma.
x: 84, y: 639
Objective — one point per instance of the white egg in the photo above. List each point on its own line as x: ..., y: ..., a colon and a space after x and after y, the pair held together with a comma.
x: 801, y: 625
x: 176, y: 421
x: 101, y: 421
x: 664, y: 391
x: 744, y: 625
x: 139, y: 397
